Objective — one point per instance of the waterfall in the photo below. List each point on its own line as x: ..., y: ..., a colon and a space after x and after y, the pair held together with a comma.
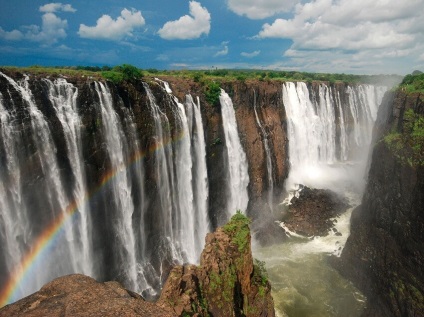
x: 238, y: 177
x: 63, y: 97
x: 318, y: 158
x: 13, y: 213
x: 267, y: 157
x: 200, y: 173
x: 183, y: 166
x: 53, y: 199
x: 120, y: 185
x: 191, y: 219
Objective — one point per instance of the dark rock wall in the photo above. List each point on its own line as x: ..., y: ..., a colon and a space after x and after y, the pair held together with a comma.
x: 384, y: 255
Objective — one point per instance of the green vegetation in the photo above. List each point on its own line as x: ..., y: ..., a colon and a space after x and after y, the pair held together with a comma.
x: 408, y: 144
x: 124, y: 72
x: 212, y: 92
x: 413, y: 82
x: 206, y: 77
x: 238, y: 229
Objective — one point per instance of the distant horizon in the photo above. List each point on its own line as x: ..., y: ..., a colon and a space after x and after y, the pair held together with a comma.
x: 318, y: 36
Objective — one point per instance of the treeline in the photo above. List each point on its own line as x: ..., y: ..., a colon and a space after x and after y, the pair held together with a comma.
x: 413, y: 82
x: 127, y: 72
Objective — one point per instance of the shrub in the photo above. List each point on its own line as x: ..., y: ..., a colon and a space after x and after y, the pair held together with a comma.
x: 212, y: 93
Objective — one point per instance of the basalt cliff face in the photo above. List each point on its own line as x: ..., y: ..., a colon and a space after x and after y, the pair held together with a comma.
x: 384, y: 253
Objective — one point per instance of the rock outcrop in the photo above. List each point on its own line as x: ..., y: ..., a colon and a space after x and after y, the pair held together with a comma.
x: 79, y: 295
x: 384, y: 255
x: 228, y: 281
x: 310, y: 213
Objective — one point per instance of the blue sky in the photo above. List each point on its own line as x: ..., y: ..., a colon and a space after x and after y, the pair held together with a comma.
x: 361, y: 36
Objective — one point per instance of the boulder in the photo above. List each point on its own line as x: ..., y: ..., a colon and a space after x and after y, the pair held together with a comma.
x: 310, y: 214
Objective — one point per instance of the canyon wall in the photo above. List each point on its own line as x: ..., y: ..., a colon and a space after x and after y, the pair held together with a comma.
x: 384, y: 255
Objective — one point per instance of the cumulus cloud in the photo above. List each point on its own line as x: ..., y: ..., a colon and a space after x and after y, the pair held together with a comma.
x: 55, y: 7
x: 188, y: 26
x: 224, y: 51
x: 52, y: 27
x: 389, y: 29
x: 259, y: 9
x: 349, y: 25
x: 14, y: 35
x: 250, y: 55
x: 107, y: 28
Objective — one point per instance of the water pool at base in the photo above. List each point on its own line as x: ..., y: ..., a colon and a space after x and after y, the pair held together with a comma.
x: 303, y: 282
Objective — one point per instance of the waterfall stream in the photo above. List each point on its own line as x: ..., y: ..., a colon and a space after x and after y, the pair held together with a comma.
x: 327, y: 150
x: 238, y: 177
x: 267, y: 157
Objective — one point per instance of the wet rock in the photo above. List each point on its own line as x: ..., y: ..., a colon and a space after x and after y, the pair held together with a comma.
x: 310, y: 214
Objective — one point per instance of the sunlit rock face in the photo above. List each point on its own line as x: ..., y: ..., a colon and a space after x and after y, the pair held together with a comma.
x: 384, y: 255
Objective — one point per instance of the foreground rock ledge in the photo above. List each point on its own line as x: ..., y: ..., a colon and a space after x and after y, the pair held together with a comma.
x: 227, y: 283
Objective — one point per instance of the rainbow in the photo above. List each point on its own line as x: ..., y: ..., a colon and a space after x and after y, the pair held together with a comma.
x: 46, y: 240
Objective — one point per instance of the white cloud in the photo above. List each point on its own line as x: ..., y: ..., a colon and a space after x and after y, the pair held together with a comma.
x: 188, y: 27
x: 346, y: 24
x: 224, y: 51
x: 108, y: 29
x: 387, y: 29
x: 250, y: 55
x: 55, y: 7
x: 51, y: 30
x: 259, y: 9
x: 14, y: 35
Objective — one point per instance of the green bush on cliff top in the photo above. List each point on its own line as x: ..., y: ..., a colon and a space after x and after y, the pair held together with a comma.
x: 238, y: 229
x: 123, y: 72
x: 413, y: 82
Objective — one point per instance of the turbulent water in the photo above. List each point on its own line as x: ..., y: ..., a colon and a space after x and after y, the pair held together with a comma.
x: 93, y: 184
x: 303, y: 284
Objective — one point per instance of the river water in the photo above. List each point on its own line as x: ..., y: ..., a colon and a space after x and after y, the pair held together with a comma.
x: 303, y: 282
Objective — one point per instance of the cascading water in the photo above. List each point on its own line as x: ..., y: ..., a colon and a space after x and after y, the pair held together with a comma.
x: 267, y: 157
x: 329, y: 132
x: 329, y: 138
x: 63, y: 97
x: 200, y: 173
x: 120, y: 185
x: 238, y: 177
x: 16, y: 224
x: 53, y: 200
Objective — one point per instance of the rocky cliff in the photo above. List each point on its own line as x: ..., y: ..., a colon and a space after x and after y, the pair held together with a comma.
x: 227, y: 283
x: 384, y: 254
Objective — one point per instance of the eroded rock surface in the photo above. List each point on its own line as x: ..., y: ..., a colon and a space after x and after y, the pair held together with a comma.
x: 80, y: 296
x: 228, y: 281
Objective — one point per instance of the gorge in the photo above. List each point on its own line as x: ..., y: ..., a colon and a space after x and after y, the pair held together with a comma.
x: 123, y: 181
